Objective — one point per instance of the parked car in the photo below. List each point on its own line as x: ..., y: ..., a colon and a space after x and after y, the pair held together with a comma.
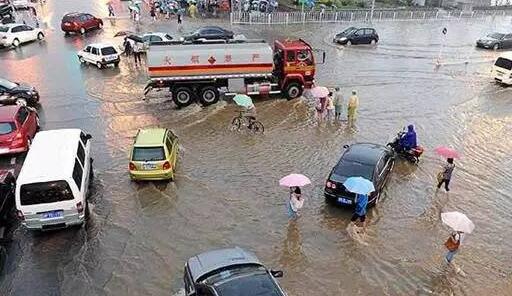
x: 209, y: 33
x: 7, y: 100
x: 100, y: 55
x: 495, y: 41
x: 6, y: 11
x: 353, y: 35
x: 78, y: 22
x: 20, y: 4
x: 7, y: 188
x: 230, y: 272
x: 22, y: 91
x: 18, y: 126
x: 154, y: 155
x: 371, y: 161
x: 53, y: 184
x: 156, y: 37
x: 502, y: 69
x: 16, y: 34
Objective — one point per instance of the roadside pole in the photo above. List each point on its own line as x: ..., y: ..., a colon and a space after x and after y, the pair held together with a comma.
x: 443, y: 41
x: 371, y: 12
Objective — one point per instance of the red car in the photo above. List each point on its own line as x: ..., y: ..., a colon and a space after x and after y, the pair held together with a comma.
x: 18, y: 126
x: 78, y: 22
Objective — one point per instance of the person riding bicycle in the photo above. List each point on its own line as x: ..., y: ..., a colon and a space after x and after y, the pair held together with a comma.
x: 408, y: 140
x: 250, y: 113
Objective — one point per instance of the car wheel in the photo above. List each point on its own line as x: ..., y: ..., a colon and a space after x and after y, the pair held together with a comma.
x: 209, y: 96
x: 21, y: 102
x: 496, y: 46
x: 40, y: 36
x: 29, y: 143
x: 182, y: 97
x: 349, y: 43
x: 82, y: 31
x: 100, y: 25
x: 16, y: 42
x: 116, y: 64
x: 81, y: 59
x: 373, y: 42
x: 293, y: 91
x: 99, y: 65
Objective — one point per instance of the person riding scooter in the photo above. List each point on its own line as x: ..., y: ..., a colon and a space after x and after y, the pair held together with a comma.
x: 408, y: 140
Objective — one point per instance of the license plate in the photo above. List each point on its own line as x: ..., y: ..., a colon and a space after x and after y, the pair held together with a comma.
x: 149, y: 166
x: 110, y: 58
x: 344, y: 201
x: 53, y: 214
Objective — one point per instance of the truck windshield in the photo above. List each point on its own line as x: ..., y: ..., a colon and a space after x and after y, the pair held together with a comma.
x: 503, y: 63
x: 45, y: 192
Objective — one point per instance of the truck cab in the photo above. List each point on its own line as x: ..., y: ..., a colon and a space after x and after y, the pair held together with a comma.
x: 294, y: 66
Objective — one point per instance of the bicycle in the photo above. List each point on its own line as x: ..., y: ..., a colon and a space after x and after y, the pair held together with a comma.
x: 248, y: 121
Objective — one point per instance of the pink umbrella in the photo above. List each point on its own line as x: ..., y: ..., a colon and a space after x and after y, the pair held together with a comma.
x: 294, y: 180
x: 320, y: 91
x: 447, y: 152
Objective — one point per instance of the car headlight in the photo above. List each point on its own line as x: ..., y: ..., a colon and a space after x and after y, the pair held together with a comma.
x: 488, y: 41
x: 30, y: 93
x: 342, y: 39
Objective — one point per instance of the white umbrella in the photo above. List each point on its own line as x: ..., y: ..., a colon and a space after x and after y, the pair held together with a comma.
x: 458, y: 221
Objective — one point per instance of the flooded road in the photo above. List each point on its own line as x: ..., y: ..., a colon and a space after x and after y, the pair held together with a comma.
x: 226, y: 193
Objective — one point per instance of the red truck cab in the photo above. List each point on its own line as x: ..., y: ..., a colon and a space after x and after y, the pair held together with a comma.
x: 294, y: 66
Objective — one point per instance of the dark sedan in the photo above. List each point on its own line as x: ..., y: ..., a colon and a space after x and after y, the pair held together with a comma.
x: 209, y: 33
x: 230, y: 272
x: 353, y: 35
x: 28, y: 93
x: 495, y: 41
x: 371, y: 161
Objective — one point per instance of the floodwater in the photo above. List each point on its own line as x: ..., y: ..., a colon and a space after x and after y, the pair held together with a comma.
x: 140, y: 234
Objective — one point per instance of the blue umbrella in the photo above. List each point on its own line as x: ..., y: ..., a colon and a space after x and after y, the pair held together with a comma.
x: 359, y: 185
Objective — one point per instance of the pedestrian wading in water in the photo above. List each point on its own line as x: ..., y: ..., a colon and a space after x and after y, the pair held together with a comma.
x: 445, y: 176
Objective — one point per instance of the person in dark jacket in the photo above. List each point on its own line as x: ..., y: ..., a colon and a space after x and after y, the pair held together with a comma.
x: 408, y: 140
x: 446, y: 174
x: 127, y: 46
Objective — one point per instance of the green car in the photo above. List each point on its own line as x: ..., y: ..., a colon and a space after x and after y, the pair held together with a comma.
x: 154, y: 155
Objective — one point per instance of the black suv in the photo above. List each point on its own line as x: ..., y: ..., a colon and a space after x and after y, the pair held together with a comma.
x: 209, y: 33
x: 230, y: 272
x: 7, y: 187
x: 26, y: 92
x: 353, y: 35
x: 371, y: 161
x: 495, y: 41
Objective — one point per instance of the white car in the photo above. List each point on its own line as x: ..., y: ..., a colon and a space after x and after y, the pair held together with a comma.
x: 16, y: 34
x: 20, y: 4
x: 156, y: 37
x: 99, y: 54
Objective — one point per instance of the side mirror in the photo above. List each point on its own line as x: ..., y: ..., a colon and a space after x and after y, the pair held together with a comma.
x: 277, y: 273
x: 88, y: 136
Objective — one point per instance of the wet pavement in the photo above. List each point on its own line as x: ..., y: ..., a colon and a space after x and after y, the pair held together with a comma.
x: 139, y: 235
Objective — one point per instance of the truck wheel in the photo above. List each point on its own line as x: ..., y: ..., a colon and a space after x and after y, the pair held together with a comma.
x: 182, y: 96
x: 293, y: 91
x: 209, y: 96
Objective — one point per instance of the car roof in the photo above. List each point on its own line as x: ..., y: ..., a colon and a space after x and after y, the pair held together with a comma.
x: 367, y: 153
x: 150, y: 136
x: 8, y: 112
x: 74, y: 14
x: 100, y: 45
x: 210, y: 261
x: 13, y: 25
x: 51, y: 156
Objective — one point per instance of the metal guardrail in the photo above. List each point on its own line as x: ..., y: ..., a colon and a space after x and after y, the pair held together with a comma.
x: 297, y: 17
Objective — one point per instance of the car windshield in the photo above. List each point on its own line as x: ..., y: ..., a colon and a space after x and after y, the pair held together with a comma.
x: 148, y: 153
x: 348, y: 31
x: 346, y: 169
x: 7, y: 84
x: 503, y: 63
x: 69, y: 19
x: 252, y: 284
x: 496, y: 35
x: 108, y: 50
x: 7, y: 128
x: 45, y: 192
x: 4, y: 29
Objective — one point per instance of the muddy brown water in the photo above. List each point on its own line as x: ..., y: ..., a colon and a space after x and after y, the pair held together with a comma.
x: 226, y: 191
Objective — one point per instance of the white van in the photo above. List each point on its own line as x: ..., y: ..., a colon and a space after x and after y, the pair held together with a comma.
x: 502, y: 69
x: 51, y: 190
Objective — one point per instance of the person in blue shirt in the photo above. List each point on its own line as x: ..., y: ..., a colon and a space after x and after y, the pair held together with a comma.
x: 408, y: 140
x: 360, y: 210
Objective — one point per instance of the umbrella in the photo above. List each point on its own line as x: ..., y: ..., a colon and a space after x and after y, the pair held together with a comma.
x: 135, y: 38
x: 359, y: 185
x: 134, y: 8
x: 447, y: 152
x: 243, y: 100
x: 123, y: 33
x: 320, y: 92
x: 294, y: 180
x: 458, y: 221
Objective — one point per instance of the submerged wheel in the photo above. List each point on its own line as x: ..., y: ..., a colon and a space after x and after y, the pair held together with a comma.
x: 16, y: 42
x: 293, y: 91
x: 40, y: 36
x: 349, y: 43
x: 236, y: 124
x: 209, y: 96
x: 373, y: 42
x: 99, y: 65
x: 257, y: 127
x: 82, y: 31
x: 496, y: 46
x: 182, y: 96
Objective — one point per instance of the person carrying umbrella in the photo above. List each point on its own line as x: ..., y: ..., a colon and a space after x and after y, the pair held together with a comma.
x: 295, y: 200
x: 446, y: 175
x: 361, y: 187
x: 461, y: 225
x: 360, y: 209
x: 453, y: 244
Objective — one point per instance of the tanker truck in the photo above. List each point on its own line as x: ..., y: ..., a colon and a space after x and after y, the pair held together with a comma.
x: 201, y: 71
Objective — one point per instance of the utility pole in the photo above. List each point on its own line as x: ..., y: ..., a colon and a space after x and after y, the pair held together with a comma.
x: 371, y: 12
